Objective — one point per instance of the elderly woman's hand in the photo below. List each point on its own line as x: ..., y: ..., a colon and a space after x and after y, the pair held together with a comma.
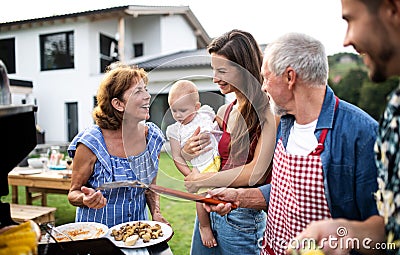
x: 93, y: 199
x: 196, y: 145
x: 158, y: 217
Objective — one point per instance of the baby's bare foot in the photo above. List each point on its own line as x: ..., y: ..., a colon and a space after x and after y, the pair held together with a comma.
x: 207, y: 237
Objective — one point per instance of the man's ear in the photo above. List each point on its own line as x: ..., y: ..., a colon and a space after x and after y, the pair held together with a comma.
x: 392, y: 10
x: 291, y: 76
x: 118, y: 104
x: 395, y: 10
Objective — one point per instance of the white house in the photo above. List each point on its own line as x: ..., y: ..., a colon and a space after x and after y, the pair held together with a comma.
x: 64, y: 57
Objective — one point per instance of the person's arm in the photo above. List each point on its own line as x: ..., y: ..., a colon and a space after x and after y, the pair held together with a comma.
x: 243, y: 197
x: 366, y: 233
x: 153, y: 202
x: 179, y: 161
x: 266, y: 192
x: 196, y: 145
x: 247, y: 175
x: 79, y: 195
x: 198, y: 142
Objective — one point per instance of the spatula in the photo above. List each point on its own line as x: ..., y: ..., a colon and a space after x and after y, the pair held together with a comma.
x: 162, y: 190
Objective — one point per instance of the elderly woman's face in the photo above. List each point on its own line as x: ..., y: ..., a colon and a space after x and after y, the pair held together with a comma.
x: 137, y: 101
x: 225, y: 74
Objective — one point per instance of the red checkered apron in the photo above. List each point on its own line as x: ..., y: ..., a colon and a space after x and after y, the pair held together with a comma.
x: 297, y: 196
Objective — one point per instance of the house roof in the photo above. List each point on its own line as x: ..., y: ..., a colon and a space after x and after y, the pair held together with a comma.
x: 182, y: 59
x: 119, y: 11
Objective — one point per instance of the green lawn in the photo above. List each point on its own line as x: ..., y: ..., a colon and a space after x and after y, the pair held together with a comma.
x: 178, y: 212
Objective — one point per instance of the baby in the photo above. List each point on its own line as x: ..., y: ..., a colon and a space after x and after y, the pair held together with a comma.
x: 186, y: 109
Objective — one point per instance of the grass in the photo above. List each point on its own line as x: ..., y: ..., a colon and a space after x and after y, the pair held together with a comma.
x: 179, y: 213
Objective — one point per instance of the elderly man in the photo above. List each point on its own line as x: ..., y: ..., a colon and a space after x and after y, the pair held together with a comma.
x: 324, y: 161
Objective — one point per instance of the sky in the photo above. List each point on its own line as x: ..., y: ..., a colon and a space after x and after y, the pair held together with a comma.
x: 265, y: 19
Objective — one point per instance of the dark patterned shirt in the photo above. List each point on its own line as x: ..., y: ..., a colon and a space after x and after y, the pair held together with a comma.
x: 387, y: 149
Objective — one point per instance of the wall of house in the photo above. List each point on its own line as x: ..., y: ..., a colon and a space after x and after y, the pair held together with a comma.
x: 108, y: 27
x: 53, y: 89
x: 178, y: 39
x: 143, y: 29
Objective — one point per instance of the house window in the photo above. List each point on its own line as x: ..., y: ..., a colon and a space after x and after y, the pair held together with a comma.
x: 138, y: 49
x: 7, y: 53
x: 108, y: 51
x: 72, y: 120
x: 95, y: 103
x: 57, y: 51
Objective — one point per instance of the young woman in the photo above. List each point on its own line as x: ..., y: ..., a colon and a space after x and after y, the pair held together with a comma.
x: 246, y: 147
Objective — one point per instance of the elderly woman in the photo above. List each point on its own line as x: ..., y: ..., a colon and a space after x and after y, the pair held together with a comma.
x: 119, y: 147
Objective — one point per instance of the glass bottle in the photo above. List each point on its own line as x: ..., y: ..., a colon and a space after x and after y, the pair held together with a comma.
x: 55, y: 156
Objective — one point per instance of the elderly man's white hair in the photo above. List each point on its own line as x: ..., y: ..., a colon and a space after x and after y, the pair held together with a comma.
x: 305, y: 54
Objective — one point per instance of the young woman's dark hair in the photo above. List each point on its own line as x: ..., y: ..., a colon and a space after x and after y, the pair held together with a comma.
x: 242, y: 50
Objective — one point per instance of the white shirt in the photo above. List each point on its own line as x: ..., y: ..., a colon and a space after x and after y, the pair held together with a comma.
x: 205, y: 120
x: 302, y: 140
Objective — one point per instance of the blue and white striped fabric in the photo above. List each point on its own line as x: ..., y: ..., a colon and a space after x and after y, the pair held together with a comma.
x: 123, y: 204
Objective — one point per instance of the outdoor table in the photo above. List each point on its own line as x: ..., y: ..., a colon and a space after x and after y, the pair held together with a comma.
x: 55, y: 181
x: 49, y: 181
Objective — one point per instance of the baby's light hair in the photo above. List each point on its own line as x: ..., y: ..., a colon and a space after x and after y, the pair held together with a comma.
x: 183, y: 88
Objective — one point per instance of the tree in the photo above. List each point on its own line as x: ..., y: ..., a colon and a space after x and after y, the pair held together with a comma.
x: 349, y: 88
x: 355, y: 87
x: 373, y: 96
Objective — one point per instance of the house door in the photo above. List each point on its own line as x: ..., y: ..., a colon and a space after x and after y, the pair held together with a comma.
x: 72, y: 120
